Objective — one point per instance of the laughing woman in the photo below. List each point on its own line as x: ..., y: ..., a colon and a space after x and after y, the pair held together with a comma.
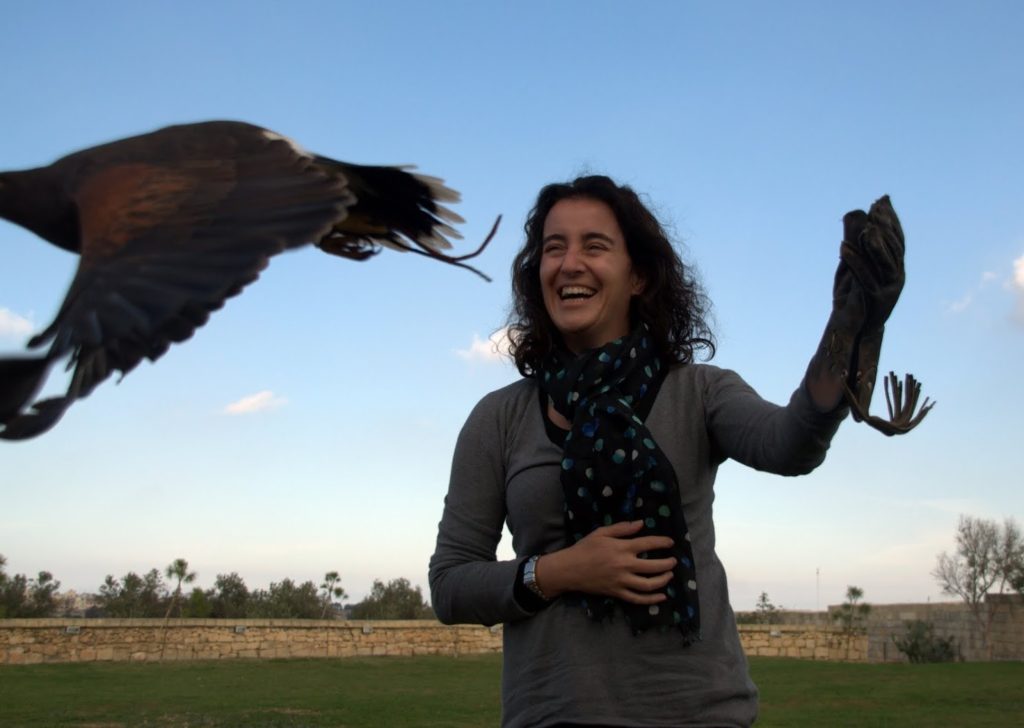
x: 602, y: 462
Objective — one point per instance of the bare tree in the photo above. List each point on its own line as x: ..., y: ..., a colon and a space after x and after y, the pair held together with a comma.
x: 1011, y: 557
x: 988, y: 557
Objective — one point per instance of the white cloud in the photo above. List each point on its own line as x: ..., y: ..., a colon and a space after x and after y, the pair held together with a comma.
x: 1016, y: 286
x: 962, y: 304
x: 259, y: 402
x: 12, y: 325
x: 492, y: 349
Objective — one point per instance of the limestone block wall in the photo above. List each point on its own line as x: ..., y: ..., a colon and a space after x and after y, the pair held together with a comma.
x: 26, y: 641
x: 952, y: 619
x: 807, y: 642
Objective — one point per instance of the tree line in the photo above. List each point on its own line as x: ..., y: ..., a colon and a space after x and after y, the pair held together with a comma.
x: 24, y: 597
x: 989, y: 558
x: 157, y: 594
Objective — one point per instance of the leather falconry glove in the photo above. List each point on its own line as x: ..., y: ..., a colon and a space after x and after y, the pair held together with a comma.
x: 867, y: 286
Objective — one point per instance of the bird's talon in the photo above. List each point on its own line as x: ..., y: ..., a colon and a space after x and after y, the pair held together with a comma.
x: 902, y: 418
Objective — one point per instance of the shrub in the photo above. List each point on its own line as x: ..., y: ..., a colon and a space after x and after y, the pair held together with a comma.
x: 920, y: 644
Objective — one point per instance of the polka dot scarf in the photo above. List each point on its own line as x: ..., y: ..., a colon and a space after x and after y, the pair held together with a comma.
x: 612, y: 470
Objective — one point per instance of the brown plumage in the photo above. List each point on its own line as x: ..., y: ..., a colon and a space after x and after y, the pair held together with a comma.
x: 170, y: 224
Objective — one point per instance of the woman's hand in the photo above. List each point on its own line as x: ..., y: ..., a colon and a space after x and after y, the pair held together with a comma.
x: 607, y: 562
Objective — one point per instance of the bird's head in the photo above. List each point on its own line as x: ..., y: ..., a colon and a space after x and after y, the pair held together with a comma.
x: 5, y: 202
x: 34, y: 199
x: 12, y: 197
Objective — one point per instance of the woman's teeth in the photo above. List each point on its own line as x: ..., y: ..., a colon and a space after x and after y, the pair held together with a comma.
x: 576, y: 292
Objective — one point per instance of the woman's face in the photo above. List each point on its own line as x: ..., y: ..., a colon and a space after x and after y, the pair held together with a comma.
x: 586, y: 274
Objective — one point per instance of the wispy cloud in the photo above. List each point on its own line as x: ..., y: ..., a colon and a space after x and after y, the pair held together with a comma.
x: 964, y: 302
x: 259, y: 402
x: 13, y: 326
x: 1014, y: 284
x: 492, y: 349
x: 1017, y: 285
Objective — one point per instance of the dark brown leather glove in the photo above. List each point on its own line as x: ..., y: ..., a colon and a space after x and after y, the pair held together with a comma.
x: 873, y: 249
x: 867, y: 286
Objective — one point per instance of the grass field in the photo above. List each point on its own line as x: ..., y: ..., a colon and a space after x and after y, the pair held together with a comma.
x: 440, y: 691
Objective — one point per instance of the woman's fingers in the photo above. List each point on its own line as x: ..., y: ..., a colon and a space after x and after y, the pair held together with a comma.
x: 645, y: 590
x: 623, y: 533
x: 653, y: 566
x: 638, y: 598
x: 649, y: 543
x: 622, y: 529
x: 611, y: 561
x: 649, y: 583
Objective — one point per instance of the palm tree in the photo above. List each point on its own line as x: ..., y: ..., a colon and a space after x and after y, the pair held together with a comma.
x: 331, y: 590
x: 178, y: 569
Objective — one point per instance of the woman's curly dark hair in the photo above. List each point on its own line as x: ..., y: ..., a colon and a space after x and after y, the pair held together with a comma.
x: 672, y: 304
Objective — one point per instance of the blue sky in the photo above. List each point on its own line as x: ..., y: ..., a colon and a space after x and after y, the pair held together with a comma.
x: 751, y: 127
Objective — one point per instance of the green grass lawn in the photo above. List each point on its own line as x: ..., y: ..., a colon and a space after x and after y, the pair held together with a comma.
x: 442, y: 691
x: 949, y: 695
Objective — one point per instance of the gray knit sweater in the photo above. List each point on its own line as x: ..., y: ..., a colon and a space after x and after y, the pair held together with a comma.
x: 559, y: 666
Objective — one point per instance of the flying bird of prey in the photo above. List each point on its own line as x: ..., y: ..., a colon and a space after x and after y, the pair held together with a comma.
x: 167, y: 225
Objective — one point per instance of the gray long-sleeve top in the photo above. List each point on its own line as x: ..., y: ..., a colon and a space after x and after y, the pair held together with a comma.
x: 560, y: 666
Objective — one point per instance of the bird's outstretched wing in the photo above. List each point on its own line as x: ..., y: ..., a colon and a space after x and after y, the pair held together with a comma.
x: 162, y: 246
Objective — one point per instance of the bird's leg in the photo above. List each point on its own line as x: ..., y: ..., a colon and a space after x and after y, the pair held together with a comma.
x: 455, y: 260
x: 902, y: 417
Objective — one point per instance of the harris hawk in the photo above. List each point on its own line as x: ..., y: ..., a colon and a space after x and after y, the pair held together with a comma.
x: 170, y: 224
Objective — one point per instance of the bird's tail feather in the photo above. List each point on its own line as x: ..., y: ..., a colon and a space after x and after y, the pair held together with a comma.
x: 396, y: 209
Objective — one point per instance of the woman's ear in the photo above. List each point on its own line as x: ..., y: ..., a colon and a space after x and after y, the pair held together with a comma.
x: 638, y: 283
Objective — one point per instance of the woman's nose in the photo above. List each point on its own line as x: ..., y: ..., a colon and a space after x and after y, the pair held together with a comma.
x: 572, y: 261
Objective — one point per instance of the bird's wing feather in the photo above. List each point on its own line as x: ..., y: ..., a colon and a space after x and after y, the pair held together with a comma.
x: 164, y: 245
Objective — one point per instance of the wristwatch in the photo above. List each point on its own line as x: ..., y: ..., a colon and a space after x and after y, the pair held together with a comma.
x: 530, y: 577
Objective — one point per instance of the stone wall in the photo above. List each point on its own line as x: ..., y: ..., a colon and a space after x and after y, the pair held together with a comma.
x: 25, y: 641
x: 807, y: 642
x: 952, y: 619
